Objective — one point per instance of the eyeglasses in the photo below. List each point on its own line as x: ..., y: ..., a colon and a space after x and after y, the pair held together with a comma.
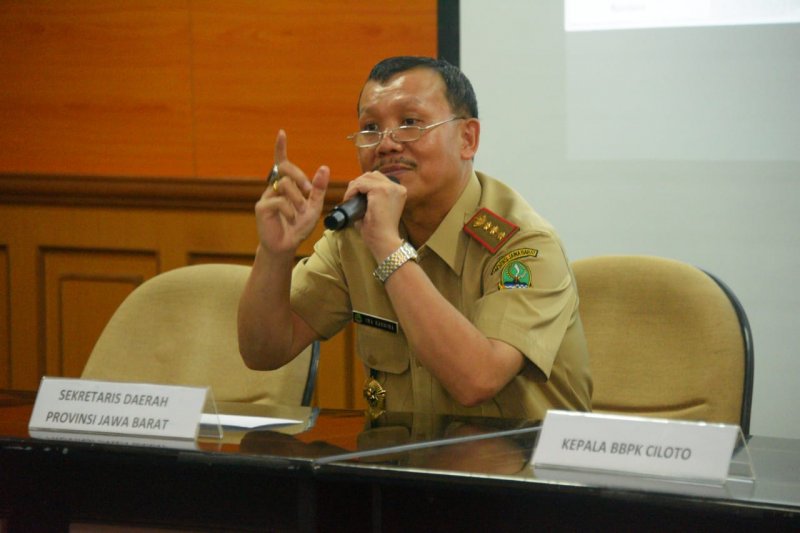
x: 400, y: 134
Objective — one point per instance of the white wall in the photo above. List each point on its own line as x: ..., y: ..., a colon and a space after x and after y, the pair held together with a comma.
x: 733, y: 211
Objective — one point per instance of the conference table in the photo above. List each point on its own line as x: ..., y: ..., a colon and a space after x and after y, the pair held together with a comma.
x: 348, y: 470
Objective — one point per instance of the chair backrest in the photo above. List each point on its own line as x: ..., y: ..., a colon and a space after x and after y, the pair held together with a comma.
x: 180, y: 328
x: 665, y: 339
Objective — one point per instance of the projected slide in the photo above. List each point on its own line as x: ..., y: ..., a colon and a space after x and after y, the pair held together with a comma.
x: 593, y: 15
x: 682, y: 80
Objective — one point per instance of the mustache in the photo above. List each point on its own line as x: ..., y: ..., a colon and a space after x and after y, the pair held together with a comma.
x: 394, y: 161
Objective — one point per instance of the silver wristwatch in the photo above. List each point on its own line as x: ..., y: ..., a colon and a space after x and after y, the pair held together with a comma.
x: 397, y: 259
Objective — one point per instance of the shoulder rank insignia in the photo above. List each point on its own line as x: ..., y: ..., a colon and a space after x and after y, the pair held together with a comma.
x: 490, y: 229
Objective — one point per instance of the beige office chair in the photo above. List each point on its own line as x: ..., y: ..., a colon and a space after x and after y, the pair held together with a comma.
x: 180, y: 328
x: 666, y: 339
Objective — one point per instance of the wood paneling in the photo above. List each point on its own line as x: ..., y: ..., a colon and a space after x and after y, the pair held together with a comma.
x: 71, y: 266
x: 106, y: 191
x: 5, y: 318
x: 192, y: 88
x: 82, y: 289
x: 134, y: 137
x: 261, y: 66
x: 94, y: 87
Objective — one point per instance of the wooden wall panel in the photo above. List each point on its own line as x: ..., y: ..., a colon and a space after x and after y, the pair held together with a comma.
x: 262, y: 66
x: 192, y: 88
x: 94, y: 87
x: 200, y: 258
x: 5, y: 320
x: 69, y: 268
x: 82, y: 289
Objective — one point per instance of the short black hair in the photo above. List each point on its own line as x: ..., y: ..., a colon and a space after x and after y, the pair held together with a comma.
x: 458, y: 89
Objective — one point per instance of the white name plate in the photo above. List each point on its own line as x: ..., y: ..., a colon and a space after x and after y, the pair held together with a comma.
x: 117, y: 440
x: 115, y: 408
x: 689, y: 451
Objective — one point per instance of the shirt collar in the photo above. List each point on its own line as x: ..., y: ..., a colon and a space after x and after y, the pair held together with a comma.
x: 449, y: 242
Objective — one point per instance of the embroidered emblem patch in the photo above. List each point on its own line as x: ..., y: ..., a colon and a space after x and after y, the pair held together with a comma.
x: 374, y: 322
x: 490, y: 229
x: 521, y: 253
x: 515, y: 275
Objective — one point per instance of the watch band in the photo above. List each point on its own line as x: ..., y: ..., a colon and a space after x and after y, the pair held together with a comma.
x: 397, y: 259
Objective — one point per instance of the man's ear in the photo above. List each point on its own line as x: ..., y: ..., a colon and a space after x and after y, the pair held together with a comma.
x: 470, y: 138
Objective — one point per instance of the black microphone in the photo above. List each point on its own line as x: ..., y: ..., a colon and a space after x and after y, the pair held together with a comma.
x: 347, y: 212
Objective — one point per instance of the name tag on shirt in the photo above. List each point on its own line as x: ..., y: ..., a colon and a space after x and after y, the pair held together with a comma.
x: 375, y: 322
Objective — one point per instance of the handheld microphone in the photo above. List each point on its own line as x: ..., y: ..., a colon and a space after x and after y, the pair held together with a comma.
x: 348, y: 212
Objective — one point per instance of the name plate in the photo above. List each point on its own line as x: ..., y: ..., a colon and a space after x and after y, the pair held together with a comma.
x: 114, y: 408
x: 689, y: 451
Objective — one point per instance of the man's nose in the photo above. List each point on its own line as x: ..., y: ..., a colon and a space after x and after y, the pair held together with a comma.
x: 387, y: 143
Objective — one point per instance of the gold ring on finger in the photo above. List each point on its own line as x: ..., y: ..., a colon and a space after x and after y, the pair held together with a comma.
x: 274, y: 177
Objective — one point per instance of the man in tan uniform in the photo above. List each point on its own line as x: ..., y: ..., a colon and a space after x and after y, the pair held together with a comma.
x: 462, y: 295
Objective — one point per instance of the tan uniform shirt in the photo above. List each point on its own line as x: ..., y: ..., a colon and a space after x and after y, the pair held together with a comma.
x: 523, y: 294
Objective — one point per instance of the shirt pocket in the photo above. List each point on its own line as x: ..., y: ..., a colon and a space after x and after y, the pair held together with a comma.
x: 382, y: 350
